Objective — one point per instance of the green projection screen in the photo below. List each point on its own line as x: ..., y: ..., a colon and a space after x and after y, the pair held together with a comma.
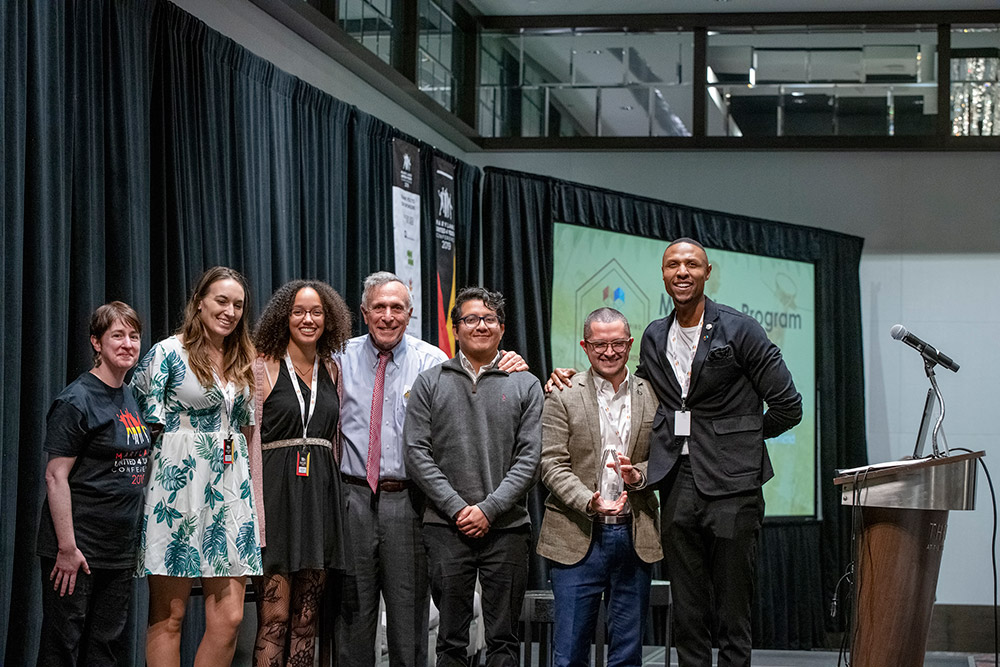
x: 594, y: 268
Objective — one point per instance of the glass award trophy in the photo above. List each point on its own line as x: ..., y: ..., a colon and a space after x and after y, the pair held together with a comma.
x: 609, y: 478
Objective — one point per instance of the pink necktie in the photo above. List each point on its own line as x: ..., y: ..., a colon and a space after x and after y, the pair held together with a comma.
x: 375, y: 423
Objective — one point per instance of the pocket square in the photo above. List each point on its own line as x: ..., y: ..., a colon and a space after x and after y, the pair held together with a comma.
x: 720, y: 354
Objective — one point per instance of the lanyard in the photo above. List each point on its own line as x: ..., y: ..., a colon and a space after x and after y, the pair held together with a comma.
x: 298, y: 392
x: 228, y: 392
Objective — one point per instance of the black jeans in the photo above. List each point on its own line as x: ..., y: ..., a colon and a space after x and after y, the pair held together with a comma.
x: 500, y: 558
x: 84, y: 628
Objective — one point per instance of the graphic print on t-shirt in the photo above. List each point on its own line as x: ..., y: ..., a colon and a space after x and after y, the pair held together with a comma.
x: 133, y: 462
x: 135, y: 429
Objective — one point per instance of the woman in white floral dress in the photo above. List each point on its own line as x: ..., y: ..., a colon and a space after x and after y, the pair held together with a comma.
x: 196, y: 387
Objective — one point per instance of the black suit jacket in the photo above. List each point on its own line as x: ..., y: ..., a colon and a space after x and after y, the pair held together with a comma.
x: 736, y: 369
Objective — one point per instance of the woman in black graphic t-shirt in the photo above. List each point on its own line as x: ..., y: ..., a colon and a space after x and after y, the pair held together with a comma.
x: 89, y: 530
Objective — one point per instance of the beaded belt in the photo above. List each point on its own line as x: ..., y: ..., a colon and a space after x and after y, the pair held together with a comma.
x: 297, y: 442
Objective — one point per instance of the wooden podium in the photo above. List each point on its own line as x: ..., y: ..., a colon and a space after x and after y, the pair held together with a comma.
x: 902, y: 516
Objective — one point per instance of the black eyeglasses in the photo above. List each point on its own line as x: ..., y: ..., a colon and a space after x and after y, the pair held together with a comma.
x: 299, y: 313
x: 601, y: 346
x: 472, y: 321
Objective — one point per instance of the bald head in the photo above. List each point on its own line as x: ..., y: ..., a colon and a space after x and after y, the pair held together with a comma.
x: 689, y: 240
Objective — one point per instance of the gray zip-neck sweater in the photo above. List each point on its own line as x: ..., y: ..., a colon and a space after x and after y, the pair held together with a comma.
x: 474, y: 443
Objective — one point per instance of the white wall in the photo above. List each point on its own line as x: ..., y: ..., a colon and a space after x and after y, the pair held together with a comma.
x: 953, y: 303
x: 898, y: 202
x: 912, y: 209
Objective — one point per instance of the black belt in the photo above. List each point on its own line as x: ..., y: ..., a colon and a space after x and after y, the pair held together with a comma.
x: 387, y: 485
x: 613, y: 519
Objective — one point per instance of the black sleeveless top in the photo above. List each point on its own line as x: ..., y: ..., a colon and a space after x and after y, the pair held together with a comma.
x: 282, y: 418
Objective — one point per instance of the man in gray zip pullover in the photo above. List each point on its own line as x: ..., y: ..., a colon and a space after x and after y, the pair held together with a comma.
x: 473, y: 441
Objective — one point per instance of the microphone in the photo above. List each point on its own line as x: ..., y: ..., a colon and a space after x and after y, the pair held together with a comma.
x: 926, y: 350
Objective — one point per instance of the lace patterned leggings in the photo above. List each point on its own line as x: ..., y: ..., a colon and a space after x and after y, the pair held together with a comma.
x: 287, y: 614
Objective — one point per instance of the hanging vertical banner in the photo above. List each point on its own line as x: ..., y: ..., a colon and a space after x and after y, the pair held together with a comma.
x: 444, y: 235
x: 406, y: 223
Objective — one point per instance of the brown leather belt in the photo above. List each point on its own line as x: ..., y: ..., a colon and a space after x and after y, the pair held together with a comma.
x: 387, y: 485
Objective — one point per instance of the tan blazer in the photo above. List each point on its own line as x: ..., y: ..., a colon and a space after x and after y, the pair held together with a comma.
x: 571, y: 449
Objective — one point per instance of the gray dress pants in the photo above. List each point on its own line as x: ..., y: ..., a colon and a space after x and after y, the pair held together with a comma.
x: 385, y: 554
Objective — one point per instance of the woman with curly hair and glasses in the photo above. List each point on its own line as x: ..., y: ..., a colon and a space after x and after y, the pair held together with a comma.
x: 196, y: 388
x: 298, y: 411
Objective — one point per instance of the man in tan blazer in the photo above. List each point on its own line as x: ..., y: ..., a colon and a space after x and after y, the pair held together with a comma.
x: 596, y: 542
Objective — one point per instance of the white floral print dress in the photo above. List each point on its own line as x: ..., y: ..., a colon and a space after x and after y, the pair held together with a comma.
x: 199, y: 518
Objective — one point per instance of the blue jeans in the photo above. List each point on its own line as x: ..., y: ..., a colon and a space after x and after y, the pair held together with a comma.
x: 611, y: 568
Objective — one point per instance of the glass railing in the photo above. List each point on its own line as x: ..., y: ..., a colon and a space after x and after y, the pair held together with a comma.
x: 436, y: 42
x: 560, y: 110
x: 369, y: 22
x: 760, y: 81
x: 841, y: 109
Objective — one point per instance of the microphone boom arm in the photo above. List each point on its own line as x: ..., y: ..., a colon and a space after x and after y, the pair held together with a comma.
x: 929, y: 369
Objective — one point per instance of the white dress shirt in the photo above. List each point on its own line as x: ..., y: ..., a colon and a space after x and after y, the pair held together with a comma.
x: 615, y: 419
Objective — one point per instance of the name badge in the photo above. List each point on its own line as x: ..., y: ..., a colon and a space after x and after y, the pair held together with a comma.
x: 302, y: 465
x: 682, y: 422
x: 227, y: 450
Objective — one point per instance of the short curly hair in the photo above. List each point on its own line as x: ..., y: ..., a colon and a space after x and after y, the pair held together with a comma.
x: 492, y: 300
x: 271, y: 334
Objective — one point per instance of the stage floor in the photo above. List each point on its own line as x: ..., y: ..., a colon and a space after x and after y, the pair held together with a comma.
x: 653, y: 657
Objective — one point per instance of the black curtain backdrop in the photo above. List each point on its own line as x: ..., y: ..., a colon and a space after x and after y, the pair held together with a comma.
x: 467, y: 208
x: 370, y: 201
x: 75, y: 82
x: 140, y: 148
x: 801, y: 561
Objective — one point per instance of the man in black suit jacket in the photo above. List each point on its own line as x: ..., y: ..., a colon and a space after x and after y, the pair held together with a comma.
x: 712, y: 368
